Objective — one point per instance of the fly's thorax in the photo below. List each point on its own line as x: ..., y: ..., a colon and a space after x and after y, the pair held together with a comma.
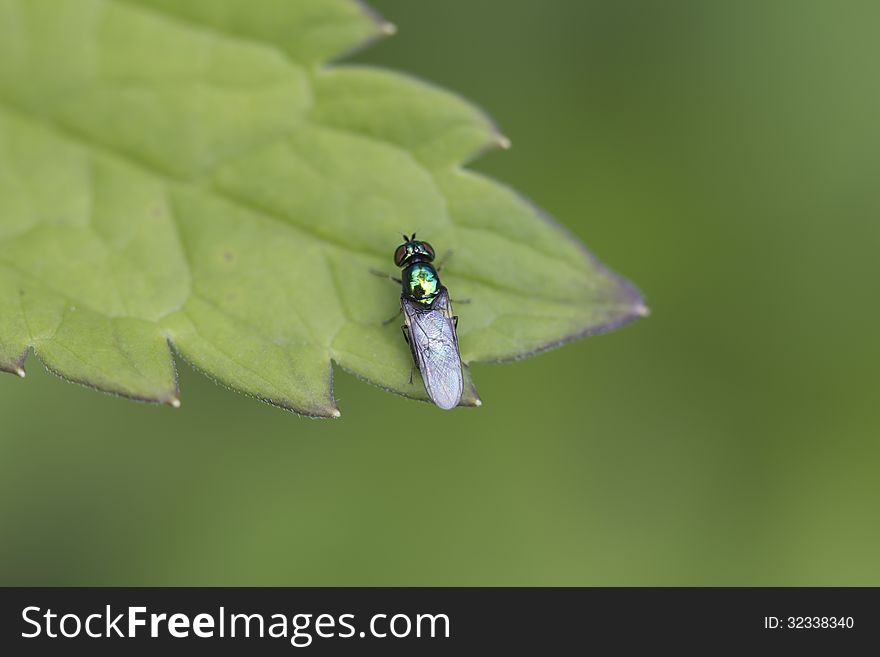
x: 421, y: 282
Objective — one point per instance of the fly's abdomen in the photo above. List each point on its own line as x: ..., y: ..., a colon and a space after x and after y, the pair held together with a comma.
x: 435, y: 347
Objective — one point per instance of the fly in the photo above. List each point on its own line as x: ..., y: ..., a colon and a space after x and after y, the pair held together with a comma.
x: 429, y: 324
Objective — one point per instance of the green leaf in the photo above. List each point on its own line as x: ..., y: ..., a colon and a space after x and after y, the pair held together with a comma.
x: 192, y: 176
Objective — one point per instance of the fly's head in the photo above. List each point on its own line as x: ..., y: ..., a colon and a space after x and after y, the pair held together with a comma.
x: 412, y: 251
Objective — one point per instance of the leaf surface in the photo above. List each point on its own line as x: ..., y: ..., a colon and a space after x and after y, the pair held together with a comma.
x: 193, y: 177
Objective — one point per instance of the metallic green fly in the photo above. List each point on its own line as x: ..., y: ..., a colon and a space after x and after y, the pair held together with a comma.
x: 430, y: 326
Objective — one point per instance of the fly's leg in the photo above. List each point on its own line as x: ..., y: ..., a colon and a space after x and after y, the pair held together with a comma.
x: 382, y: 274
x: 392, y: 318
x: 412, y: 350
x: 441, y: 264
x: 455, y: 321
x: 443, y: 261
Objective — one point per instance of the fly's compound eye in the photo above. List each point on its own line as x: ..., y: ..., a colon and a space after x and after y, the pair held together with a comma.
x: 400, y: 255
x: 429, y: 250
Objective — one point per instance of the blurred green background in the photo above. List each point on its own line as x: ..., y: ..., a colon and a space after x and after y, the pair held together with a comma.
x: 723, y: 155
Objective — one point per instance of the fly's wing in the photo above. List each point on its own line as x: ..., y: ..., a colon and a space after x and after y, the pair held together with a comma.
x: 435, y: 348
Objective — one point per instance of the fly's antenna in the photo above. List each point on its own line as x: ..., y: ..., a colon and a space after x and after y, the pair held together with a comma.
x: 405, y: 238
x: 413, y: 236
